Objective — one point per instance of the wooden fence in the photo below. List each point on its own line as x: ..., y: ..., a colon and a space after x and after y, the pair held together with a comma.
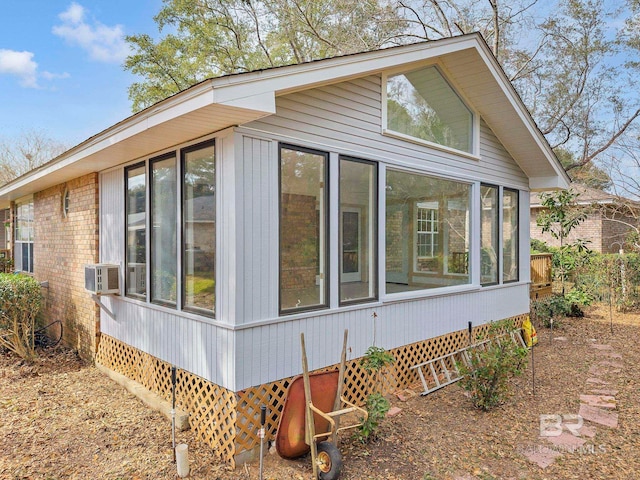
x: 540, y: 275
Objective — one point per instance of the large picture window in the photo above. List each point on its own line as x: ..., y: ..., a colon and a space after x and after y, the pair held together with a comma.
x: 358, y: 213
x: 422, y: 105
x: 510, y: 236
x: 489, y: 243
x: 136, y: 208
x: 427, y: 232
x: 199, y: 228
x: 303, y: 229
x: 24, y: 235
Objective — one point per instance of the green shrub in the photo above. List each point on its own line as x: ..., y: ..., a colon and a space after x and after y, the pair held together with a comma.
x: 553, y: 306
x: 20, y: 301
x: 377, y: 407
x: 492, y: 366
x: 375, y: 360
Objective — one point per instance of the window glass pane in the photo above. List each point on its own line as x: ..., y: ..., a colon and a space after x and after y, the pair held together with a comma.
x: 422, y: 104
x: 24, y: 236
x: 427, y: 232
x: 357, y: 233
x: 488, y: 235
x: 199, y: 217
x: 136, y: 275
x: 510, y: 235
x: 164, y: 232
x: 303, y: 232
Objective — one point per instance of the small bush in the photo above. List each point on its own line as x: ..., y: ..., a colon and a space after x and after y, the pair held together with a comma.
x: 377, y: 408
x: 492, y: 366
x: 375, y: 360
x: 553, y: 306
x: 20, y: 301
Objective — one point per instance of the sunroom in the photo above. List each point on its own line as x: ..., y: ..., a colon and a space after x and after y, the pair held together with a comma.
x: 385, y: 193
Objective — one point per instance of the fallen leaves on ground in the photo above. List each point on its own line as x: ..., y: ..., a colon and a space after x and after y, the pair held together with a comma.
x: 63, y: 419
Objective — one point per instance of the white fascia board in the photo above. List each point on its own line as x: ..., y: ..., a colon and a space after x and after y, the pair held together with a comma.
x: 282, y: 80
x: 542, y: 184
x: 197, y: 97
x: 523, y: 113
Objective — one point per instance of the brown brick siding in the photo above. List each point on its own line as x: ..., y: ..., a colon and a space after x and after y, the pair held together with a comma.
x: 299, y: 256
x: 62, y: 247
x: 590, y: 229
x: 605, y: 235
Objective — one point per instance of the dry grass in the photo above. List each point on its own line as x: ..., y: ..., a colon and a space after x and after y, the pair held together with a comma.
x: 62, y: 419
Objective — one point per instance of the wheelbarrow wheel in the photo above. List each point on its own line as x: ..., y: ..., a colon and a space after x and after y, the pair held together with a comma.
x: 329, y: 461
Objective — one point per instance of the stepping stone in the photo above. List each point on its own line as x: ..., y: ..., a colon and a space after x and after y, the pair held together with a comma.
x: 607, y: 363
x: 542, y: 455
x: 600, y: 370
x: 568, y: 441
x: 587, y: 431
x: 602, y: 401
x: 599, y: 416
x: 612, y: 393
x: 609, y: 353
x: 393, y: 411
x: 597, y: 381
x: 601, y: 347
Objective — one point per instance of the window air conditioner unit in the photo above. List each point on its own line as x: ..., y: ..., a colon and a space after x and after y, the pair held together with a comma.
x: 102, y: 279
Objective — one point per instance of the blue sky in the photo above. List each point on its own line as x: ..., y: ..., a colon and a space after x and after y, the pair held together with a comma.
x: 61, y: 64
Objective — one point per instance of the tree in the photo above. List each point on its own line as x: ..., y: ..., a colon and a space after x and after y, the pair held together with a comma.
x: 27, y: 151
x: 567, y: 68
x: 215, y: 37
x: 590, y: 175
x: 559, y: 216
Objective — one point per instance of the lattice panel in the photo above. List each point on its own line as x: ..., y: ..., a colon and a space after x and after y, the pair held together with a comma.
x: 230, y: 422
x: 212, y: 409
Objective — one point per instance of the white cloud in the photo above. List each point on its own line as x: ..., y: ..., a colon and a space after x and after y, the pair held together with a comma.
x: 53, y: 76
x: 21, y: 65
x: 101, y: 42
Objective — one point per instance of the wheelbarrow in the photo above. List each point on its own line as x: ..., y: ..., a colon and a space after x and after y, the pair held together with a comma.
x: 310, y: 418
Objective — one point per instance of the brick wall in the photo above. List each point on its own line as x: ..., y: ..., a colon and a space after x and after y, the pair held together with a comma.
x: 63, y: 246
x: 590, y: 229
x: 300, y: 232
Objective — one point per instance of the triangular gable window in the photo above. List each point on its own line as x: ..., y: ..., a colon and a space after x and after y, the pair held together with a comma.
x: 421, y: 104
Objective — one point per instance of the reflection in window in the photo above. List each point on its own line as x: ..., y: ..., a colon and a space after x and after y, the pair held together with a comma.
x: 136, y: 208
x: 489, y: 235
x: 199, y: 207
x: 437, y: 212
x: 510, y: 237
x: 357, y: 232
x: 303, y: 229
x: 423, y: 105
x: 164, y: 231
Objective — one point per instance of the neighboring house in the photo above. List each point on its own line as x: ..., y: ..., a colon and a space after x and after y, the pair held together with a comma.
x: 385, y: 192
x: 610, y: 219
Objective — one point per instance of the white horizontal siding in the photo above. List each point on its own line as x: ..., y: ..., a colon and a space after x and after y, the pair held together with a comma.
x: 270, y: 352
x: 348, y: 117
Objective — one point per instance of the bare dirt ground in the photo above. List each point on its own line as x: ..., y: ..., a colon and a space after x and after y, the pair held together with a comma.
x: 62, y: 419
